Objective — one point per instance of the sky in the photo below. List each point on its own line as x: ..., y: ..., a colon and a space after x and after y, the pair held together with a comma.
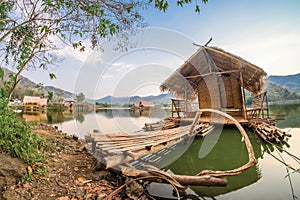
x: 265, y: 33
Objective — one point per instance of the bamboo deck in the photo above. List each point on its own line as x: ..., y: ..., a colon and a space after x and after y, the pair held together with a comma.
x: 113, y: 149
x: 117, y: 148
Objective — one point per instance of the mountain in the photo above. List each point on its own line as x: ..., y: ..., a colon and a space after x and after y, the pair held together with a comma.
x: 162, y: 98
x: 55, y: 90
x: 289, y: 82
x: 275, y: 93
x: 26, y: 84
x: 279, y: 93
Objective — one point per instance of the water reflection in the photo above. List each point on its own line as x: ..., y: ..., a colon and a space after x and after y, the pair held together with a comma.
x: 289, y: 113
x: 229, y: 153
x: 35, y: 116
x: 106, y: 120
x: 135, y: 113
x: 50, y: 117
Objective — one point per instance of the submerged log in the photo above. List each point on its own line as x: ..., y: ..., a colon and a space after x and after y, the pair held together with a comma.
x: 185, y: 180
x: 154, y: 174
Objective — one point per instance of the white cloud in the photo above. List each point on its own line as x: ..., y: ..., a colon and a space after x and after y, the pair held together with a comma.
x: 122, y: 66
x: 70, y: 52
x: 276, y: 54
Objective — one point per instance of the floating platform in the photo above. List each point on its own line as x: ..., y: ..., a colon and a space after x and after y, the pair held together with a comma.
x: 113, y: 149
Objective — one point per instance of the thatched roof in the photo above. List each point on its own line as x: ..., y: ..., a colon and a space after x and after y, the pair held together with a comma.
x: 43, y: 101
x: 35, y: 100
x: 210, y: 60
x: 31, y: 100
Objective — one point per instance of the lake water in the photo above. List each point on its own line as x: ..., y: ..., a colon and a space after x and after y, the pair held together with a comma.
x: 222, y: 149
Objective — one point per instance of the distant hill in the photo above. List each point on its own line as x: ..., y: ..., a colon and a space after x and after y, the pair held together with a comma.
x: 279, y: 93
x: 289, y: 82
x: 66, y: 94
x: 162, y: 98
x: 275, y: 93
x: 27, y: 83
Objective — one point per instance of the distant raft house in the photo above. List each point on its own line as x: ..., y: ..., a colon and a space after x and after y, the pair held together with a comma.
x: 219, y: 80
x: 143, y: 105
x: 34, y: 103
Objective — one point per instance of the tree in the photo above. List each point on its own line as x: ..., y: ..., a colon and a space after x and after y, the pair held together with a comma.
x: 164, y: 4
x: 80, y: 97
x: 50, y: 96
x: 60, y: 96
x: 31, y: 31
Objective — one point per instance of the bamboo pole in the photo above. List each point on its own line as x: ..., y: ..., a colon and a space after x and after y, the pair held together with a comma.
x: 243, y: 95
x: 268, y: 132
x: 210, y: 73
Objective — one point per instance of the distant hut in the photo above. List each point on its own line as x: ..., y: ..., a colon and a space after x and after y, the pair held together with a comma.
x: 31, y: 103
x: 34, y: 103
x: 143, y: 105
x: 219, y: 80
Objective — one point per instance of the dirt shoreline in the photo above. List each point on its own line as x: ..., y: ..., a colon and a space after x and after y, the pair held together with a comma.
x: 70, y: 172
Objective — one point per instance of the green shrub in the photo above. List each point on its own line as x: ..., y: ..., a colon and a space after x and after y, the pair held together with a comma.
x: 17, y: 138
x: 3, y: 100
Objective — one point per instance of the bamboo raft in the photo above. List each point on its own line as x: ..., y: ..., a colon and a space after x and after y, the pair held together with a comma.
x: 119, y: 148
x: 268, y: 132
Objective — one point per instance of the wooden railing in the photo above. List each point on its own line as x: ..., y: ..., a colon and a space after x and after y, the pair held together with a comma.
x: 258, y: 107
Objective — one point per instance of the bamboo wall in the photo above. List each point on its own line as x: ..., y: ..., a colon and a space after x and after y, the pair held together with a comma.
x: 221, y: 92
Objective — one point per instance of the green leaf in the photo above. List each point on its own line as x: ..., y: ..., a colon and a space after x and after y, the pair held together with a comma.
x: 2, y: 24
x: 52, y: 76
x: 42, y: 66
x: 1, y: 73
x: 44, y: 29
x: 180, y: 3
x: 197, y: 9
x: 161, y: 4
x: 75, y: 32
x: 82, y: 49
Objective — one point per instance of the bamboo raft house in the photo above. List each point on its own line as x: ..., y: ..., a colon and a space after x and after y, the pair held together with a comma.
x: 218, y: 80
